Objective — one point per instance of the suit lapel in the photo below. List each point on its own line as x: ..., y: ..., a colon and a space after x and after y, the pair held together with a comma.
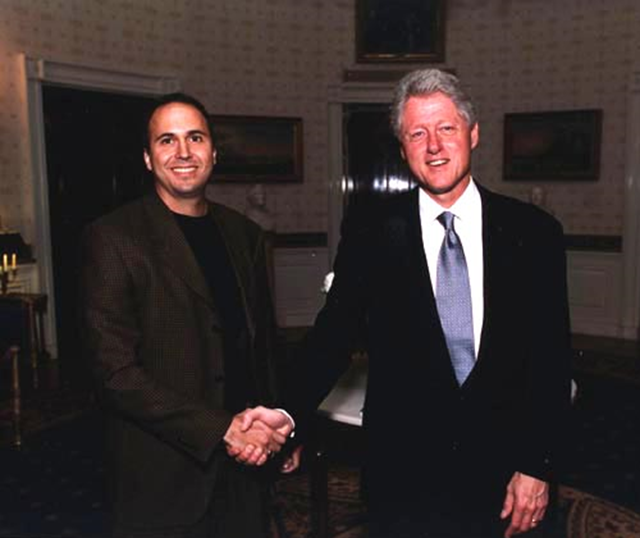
x: 498, y: 249
x: 173, y: 250
x: 417, y: 261
x: 406, y: 232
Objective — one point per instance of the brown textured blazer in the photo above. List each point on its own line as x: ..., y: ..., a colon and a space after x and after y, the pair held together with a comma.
x: 152, y: 335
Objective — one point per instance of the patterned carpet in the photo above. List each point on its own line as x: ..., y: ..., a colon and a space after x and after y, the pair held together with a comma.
x: 52, y: 487
x: 581, y: 515
x: 606, y: 451
x: 588, y: 516
x: 347, y: 514
x: 600, y: 497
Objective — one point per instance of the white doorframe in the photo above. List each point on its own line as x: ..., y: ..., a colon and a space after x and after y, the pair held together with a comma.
x: 630, y: 315
x: 37, y: 72
x: 339, y: 96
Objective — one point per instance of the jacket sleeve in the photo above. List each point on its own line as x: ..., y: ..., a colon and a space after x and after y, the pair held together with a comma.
x: 543, y: 432
x: 325, y: 353
x: 111, y: 334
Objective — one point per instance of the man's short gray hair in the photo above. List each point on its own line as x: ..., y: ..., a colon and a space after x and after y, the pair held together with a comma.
x: 425, y: 82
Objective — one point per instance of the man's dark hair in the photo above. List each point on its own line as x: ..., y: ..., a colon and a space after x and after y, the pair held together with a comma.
x: 167, y: 99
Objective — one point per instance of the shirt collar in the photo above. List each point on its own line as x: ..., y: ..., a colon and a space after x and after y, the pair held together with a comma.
x: 466, y: 207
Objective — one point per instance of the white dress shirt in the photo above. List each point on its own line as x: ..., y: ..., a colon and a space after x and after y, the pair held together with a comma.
x: 467, y: 211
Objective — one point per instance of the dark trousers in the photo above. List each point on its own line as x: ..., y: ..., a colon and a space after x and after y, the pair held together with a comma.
x: 238, y: 509
x: 424, y: 513
x: 430, y: 525
x: 427, y: 520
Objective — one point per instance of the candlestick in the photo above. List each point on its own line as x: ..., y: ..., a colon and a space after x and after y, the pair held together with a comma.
x: 4, y: 280
x: 8, y: 272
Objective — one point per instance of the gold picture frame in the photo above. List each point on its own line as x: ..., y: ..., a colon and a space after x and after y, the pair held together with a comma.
x: 400, y: 31
x: 257, y: 149
x: 552, y: 146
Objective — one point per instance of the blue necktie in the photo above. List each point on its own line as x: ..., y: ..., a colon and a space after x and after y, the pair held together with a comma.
x: 453, y: 297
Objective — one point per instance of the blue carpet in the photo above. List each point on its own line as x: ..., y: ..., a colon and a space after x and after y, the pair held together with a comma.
x: 51, y: 486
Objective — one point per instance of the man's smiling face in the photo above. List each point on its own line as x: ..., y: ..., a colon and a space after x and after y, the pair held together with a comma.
x: 180, y: 154
x: 437, y: 143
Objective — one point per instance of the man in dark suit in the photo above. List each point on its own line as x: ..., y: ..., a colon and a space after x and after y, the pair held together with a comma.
x: 462, y: 293
x: 178, y: 329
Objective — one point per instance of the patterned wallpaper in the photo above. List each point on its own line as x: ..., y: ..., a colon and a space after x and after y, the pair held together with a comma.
x: 530, y: 55
x: 277, y: 57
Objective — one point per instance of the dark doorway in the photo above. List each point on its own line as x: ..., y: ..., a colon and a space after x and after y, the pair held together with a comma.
x: 94, y: 164
x: 374, y: 167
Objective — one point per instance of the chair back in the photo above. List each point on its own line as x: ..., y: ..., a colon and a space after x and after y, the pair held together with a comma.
x: 12, y: 356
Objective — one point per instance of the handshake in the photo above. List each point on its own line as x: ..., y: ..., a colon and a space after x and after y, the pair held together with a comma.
x: 257, y: 434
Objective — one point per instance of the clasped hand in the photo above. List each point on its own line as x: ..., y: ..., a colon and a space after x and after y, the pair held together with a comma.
x: 257, y: 434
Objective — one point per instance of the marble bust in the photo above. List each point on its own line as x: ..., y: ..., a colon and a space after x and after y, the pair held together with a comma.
x: 257, y: 209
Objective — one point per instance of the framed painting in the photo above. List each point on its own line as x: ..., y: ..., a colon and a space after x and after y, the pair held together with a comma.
x: 552, y: 146
x: 257, y: 149
x: 400, y: 31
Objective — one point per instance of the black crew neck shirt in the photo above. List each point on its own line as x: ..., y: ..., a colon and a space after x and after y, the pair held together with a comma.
x: 211, y: 253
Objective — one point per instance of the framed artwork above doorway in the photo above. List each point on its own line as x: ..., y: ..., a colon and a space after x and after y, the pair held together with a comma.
x: 392, y: 31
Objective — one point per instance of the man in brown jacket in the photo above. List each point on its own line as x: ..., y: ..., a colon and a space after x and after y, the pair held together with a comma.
x: 178, y: 328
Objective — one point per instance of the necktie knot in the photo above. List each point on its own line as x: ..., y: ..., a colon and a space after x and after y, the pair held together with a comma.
x: 446, y: 219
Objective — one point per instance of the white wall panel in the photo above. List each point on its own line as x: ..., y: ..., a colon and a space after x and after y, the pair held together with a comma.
x: 299, y: 274
x: 594, y: 281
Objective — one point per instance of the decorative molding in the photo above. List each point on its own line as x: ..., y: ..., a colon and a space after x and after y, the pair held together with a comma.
x: 594, y: 243
x: 373, y: 75
x: 82, y: 76
x: 361, y: 92
x: 381, y: 75
x: 301, y: 240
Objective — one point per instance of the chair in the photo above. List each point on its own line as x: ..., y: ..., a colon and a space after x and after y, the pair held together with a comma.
x: 11, y: 357
x: 24, y: 314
